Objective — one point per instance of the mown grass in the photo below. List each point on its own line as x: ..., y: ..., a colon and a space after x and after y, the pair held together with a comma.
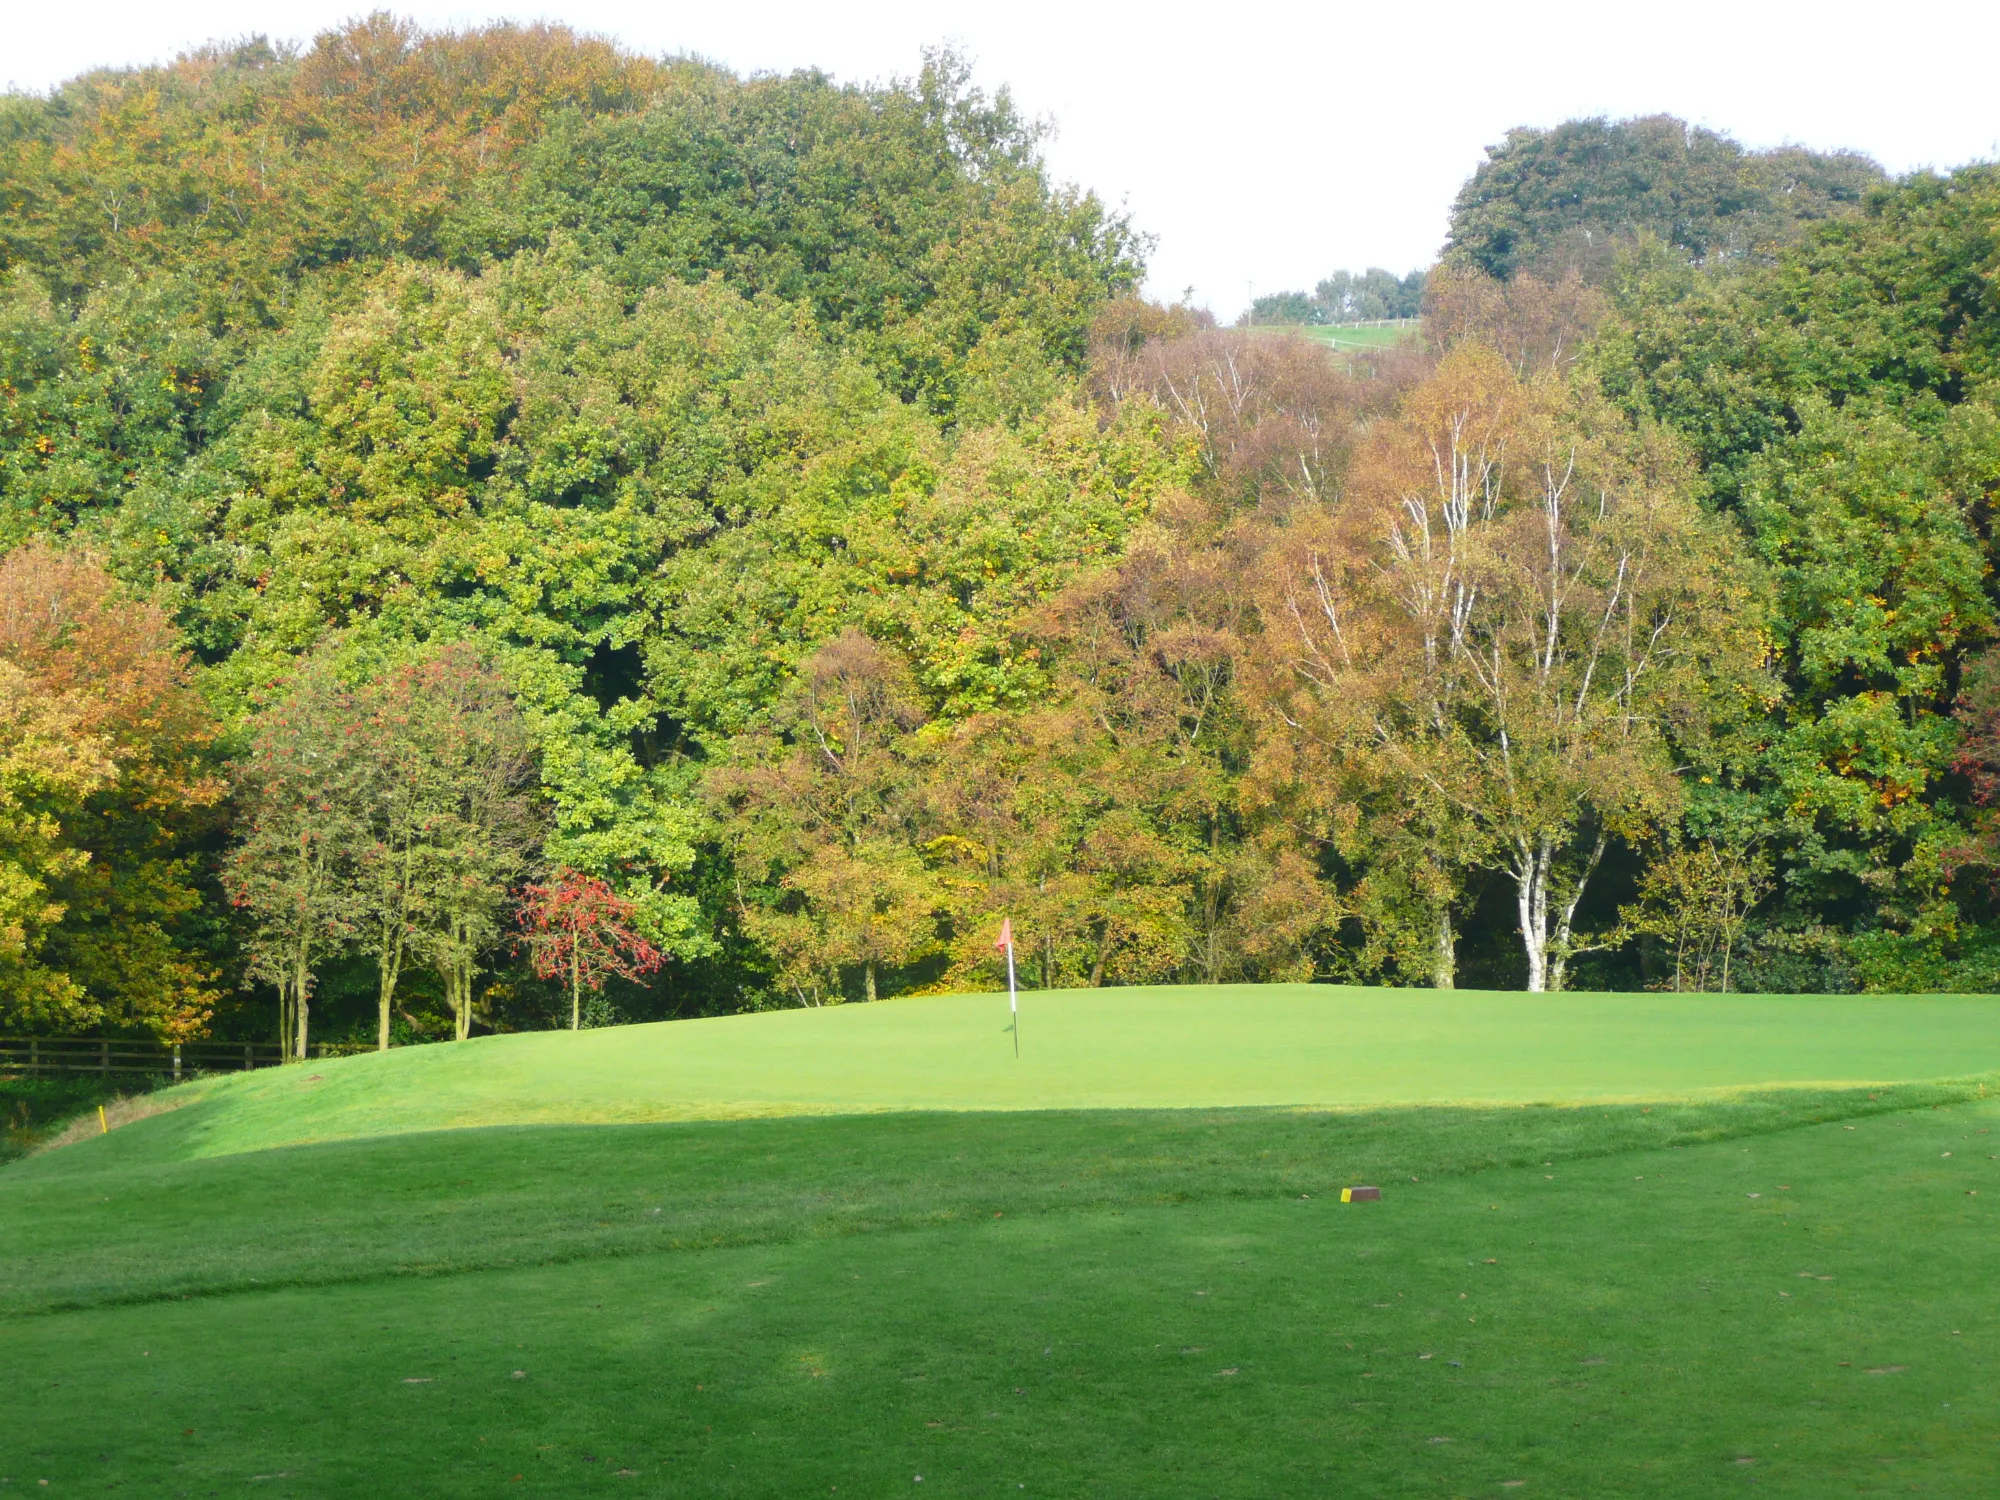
x: 1357, y: 337
x: 90, y: 1226
x: 1697, y: 1290
x: 1587, y: 1301
x: 1193, y: 1047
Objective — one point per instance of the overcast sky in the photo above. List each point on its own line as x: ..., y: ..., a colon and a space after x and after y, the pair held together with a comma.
x: 1263, y: 144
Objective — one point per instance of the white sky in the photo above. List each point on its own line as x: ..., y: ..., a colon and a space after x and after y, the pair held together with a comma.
x: 1266, y: 143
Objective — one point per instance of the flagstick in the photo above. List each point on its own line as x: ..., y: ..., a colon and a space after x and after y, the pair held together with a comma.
x: 1013, y: 1000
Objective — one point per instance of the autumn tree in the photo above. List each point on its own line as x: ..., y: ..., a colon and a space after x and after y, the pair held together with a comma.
x: 1505, y: 631
x: 581, y: 931
x: 1273, y: 419
x: 822, y: 812
x: 1537, y: 324
x: 47, y: 762
x: 108, y: 782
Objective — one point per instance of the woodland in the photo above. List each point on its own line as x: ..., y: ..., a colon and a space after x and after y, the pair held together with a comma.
x: 501, y: 532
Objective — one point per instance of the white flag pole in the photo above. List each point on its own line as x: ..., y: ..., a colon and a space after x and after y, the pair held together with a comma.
x: 1013, y: 999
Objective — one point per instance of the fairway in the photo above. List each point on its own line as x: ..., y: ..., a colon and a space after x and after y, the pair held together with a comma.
x: 1312, y: 1046
x: 1627, y: 1245
x: 1348, y: 337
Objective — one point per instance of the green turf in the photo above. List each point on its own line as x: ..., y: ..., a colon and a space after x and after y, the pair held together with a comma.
x: 1733, y: 1288
x: 1357, y: 337
x: 1363, y: 336
x: 1621, y: 1322
x: 1215, y: 1047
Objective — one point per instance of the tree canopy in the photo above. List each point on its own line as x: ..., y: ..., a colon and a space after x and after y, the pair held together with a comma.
x: 1550, y: 200
x: 496, y: 531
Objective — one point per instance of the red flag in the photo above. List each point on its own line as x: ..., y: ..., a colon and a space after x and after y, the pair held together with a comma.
x: 1005, y: 941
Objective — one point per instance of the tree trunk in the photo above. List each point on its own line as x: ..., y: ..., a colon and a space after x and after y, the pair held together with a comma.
x: 390, y: 971
x: 1559, y: 956
x: 1444, y: 960
x: 1103, y: 954
x: 868, y: 973
x: 575, y: 988
x: 1531, y: 899
x: 1547, y: 948
x: 302, y: 1003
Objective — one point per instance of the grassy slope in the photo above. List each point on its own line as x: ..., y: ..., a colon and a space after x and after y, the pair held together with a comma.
x: 31, y: 1109
x: 1223, y: 1047
x: 1071, y: 1302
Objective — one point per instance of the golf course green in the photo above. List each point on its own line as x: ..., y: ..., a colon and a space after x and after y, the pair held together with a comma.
x: 1627, y: 1245
x: 1305, y: 1046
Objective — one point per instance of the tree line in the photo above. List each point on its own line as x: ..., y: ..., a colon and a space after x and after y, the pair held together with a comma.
x: 554, y: 595
x: 1369, y: 296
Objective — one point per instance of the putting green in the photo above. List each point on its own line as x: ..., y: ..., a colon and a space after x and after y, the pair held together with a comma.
x: 1172, y: 1047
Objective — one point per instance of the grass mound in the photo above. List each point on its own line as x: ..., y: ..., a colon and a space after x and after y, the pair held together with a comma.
x: 1218, y: 1047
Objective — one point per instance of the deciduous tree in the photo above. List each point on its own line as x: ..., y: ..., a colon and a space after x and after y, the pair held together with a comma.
x: 580, y: 931
x: 112, y: 785
x: 1503, y: 631
x: 824, y: 816
x: 303, y: 790
x: 469, y: 740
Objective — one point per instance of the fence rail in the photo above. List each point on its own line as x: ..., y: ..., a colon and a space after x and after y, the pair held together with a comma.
x: 108, y: 1055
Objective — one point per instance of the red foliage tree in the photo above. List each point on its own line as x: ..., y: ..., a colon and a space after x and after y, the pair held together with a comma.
x: 578, y: 929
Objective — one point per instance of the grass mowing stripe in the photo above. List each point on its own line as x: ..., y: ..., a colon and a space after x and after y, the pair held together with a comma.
x: 90, y: 1226
x: 1636, y: 1325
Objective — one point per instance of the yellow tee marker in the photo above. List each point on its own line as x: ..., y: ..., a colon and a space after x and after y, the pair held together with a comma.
x: 103, y: 1125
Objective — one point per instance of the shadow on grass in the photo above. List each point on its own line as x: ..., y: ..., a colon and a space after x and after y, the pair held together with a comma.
x: 88, y: 1228
x: 37, y: 1113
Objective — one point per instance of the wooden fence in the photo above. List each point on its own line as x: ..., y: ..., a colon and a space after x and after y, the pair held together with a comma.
x: 108, y: 1055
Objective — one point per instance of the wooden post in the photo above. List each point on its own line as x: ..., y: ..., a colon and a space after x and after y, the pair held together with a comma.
x: 34, y: 1055
x: 104, y: 1058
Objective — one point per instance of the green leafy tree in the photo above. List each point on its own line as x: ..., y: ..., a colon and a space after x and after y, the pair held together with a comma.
x: 303, y: 789
x: 1551, y: 200
x: 1698, y: 898
x: 1840, y: 405
x: 484, y: 829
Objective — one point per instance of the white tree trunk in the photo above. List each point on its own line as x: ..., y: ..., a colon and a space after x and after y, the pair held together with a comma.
x: 1545, y: 935
x: 1531, y: 897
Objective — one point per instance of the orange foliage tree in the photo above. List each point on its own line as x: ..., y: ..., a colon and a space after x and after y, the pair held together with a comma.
x: 107, y: 782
